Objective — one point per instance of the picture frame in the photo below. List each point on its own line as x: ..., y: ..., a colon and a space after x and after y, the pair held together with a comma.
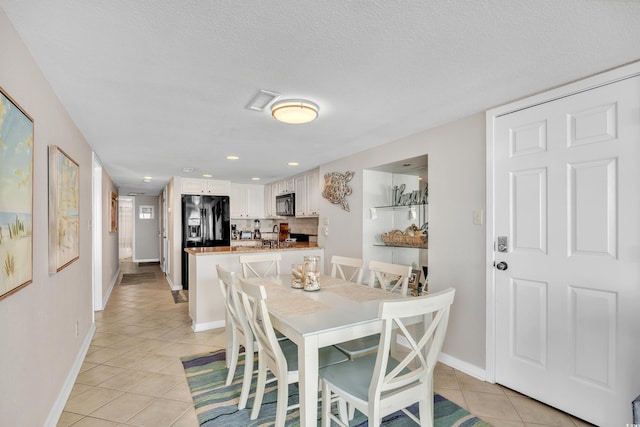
x: 113, y: 213
x: 16, y: 196
x: 414, y: 279
x: 64, y: 210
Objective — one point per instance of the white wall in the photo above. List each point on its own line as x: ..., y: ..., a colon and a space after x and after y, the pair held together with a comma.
x: 38, y: 338
x: 456, y: 247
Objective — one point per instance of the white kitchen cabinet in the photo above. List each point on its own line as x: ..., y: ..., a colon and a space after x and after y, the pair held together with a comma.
x: 205, y: 186
x: 247, y: 201
x: 268, y: 205
x: 307, y: 193
x: 313, y: 192
x: 287, y: 186
x: 301, y: 195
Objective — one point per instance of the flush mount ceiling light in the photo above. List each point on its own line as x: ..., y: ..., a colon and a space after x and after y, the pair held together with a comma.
x: 294, y: 111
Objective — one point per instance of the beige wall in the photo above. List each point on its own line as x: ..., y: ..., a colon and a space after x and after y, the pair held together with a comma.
x: 38, y: 338
x: 456, y: 247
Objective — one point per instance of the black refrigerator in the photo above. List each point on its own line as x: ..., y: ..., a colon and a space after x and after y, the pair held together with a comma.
x: 205, y: 223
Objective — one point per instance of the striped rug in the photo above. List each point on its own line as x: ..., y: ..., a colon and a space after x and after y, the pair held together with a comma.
x: 217, y: 405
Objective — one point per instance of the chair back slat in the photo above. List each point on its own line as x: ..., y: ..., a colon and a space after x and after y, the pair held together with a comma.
x: 254, y: 297
x: 390, y: 277
x: 230, y: 292
x: 417, y: 366
x: 269, y: 264
x: 355, y: 266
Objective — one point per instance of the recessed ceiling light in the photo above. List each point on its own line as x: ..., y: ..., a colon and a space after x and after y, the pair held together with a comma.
x: 255, y: 178
x: 146, y: 179
x: 187, y: 170
x: 232, y: 157
x: 207, y: 175
x: 293, y: 164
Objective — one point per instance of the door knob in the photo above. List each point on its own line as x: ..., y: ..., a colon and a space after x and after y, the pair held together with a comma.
x: 502, y: 265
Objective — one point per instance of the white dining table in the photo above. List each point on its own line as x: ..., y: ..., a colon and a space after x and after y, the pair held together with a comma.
x: 338, y: 312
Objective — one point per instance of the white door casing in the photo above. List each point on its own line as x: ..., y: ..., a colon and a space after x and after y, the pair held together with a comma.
x: 563, y: 320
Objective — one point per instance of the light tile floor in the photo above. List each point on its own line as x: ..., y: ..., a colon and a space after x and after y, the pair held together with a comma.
x: 132, y: 375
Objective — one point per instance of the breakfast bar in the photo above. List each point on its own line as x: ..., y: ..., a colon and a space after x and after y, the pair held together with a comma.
x: 206, y: 304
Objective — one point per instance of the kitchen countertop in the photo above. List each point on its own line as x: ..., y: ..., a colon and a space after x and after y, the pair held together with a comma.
x: 294, y: 246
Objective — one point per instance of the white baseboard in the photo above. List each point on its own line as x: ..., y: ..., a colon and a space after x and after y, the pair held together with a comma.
x: 453, y: 362
x: 463, y: 366
x: 172, y: 285
x: 146, y: 260
x: 65, y: 392
x: 197, y: 327
x: 114, y: 280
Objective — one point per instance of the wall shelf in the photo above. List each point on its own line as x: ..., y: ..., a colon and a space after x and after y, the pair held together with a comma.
x: 401, y: 246
x: 416, y: 205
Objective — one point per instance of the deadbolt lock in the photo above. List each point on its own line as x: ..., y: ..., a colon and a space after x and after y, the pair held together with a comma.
x: 502, y: 244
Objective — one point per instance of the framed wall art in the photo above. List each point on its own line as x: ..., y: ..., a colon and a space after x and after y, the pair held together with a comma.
x: 64, y: 208
x: 16, y: 196
x: 113, y: 213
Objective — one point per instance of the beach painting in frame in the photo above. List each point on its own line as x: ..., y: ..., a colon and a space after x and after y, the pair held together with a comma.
x: 64, y: 205
x: 16, y: 196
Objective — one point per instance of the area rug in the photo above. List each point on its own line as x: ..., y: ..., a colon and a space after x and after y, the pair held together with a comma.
x: 180, y: 296
x: 217, y: 404
x: 137, y: 278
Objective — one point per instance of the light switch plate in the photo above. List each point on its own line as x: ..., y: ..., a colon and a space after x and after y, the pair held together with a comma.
x: 477, y: 217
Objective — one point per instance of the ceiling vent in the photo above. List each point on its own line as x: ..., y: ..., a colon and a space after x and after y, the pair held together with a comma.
x: 261, y: 100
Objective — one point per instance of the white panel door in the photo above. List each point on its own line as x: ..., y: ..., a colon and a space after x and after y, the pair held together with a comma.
x: 567, y: 308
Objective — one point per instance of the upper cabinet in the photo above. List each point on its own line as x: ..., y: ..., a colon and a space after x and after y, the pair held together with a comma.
x: 205, y: 186
x: 307, y: 194
x: 313, y: 192
x: 286, y: 186
x: 247, y: 201
x: 269, y: 206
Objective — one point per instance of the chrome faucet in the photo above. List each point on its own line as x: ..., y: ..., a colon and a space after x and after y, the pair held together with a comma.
x: 276, y: 228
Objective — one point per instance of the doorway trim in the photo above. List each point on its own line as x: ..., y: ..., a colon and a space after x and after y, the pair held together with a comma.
x: 96, y: 231
x: 598, y: 80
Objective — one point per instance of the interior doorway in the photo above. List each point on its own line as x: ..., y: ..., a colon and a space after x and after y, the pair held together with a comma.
x: 125, y: 227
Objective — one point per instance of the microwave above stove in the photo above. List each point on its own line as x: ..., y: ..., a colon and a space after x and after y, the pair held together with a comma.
x: 286, y: 204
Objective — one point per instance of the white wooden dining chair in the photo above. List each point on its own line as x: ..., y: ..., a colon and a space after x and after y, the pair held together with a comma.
x: 378, y: 385
x: 260, y: 265
x: 280, y: 357
x: 353, y: 265
x: 391, y: 278
x: 240, y: 333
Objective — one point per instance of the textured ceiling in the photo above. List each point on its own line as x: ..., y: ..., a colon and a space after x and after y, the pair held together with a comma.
x: 156, y: 86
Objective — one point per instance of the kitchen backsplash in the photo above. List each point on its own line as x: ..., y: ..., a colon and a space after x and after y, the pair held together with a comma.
x: 296, y: 225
